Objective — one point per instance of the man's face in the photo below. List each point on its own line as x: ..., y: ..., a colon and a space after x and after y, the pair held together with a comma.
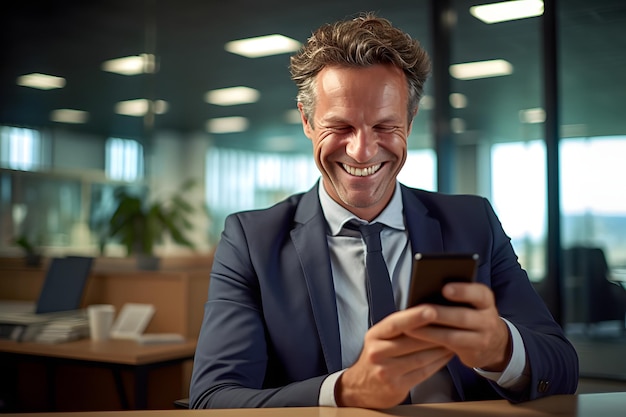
x: 359, y: 133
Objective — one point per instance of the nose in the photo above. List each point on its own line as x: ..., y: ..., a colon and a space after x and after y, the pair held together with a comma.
x: 362, y: 146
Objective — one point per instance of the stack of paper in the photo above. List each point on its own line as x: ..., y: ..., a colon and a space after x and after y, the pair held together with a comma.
x: 64, y: 330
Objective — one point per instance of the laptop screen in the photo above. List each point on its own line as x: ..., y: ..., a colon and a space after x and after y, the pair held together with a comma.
x: 64, y: 284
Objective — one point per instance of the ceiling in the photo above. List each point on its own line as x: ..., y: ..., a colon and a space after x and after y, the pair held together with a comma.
x: 72, y: 38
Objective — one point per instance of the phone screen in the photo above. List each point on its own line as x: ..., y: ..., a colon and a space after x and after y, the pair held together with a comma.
x: 432, y: 271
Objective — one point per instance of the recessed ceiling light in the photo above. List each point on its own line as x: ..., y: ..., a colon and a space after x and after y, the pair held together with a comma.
x: 139, y: 107
x: 574, y: 131
x: 69, y: 116
x: 263, y: 46
x: 457, y: 125
x: 508, y: 10
x: 232, y: 96
x: 293, y: 116
x: 481, y: 69
x: 227, y: 124
x: 131, y: 65
x: 41, y: 81
x: 536, y: 115
x: 458, y: 100
x: 427, y: 102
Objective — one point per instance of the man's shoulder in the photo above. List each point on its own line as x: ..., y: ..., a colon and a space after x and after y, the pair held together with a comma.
x: 430, y: 198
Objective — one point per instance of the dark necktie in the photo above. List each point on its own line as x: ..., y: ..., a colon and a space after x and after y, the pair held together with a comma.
x: 378, y: 284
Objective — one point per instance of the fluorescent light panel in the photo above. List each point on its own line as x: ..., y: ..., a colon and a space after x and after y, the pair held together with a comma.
x: 292, y: 116
x: 232, y: 96
x: 227, y: 124
x: 481, y: 69
x: 139, y: 107
x: 262, y: 46
x: 41, y: 81
x: 532, y: 116
x: 69, y: 116
x: 130, y: 65
x: 508, y: 10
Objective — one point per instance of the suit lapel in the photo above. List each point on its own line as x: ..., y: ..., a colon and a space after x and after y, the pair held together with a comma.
x: 309, y: 239
x: 424, y: 231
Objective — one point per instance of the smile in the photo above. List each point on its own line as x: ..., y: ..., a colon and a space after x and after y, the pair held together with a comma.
x: 361, y: 172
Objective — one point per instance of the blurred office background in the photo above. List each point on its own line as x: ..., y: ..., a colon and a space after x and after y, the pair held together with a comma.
x: 541, y: 132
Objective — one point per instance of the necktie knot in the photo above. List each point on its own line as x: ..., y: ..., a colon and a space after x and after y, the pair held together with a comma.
x: 371, y: 235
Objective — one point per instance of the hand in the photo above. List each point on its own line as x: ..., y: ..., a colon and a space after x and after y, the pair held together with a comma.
x: 478, y: 336
x: 391, y: 362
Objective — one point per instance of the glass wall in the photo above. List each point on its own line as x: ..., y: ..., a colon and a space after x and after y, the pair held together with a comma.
x: 496, y: 120
x: 592, y: 75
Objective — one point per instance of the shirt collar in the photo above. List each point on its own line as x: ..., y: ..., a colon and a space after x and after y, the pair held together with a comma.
x: 336, y: 215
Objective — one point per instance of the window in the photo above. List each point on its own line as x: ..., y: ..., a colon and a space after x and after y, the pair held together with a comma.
x: 593, y: 207
x: 592, y: 196
x: 20, y: 148
x: 419, y: 170
x: 241, y: 180
x: 124, y: 159
x: 518, y: 189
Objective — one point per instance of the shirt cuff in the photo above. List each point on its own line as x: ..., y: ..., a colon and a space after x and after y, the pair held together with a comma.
x: 327, y: 391
x: 515, y: 376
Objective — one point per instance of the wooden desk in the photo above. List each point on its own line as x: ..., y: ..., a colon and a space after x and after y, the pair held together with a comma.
x: 178, y: 292
x: 116, y: 355
x: 585, y: 405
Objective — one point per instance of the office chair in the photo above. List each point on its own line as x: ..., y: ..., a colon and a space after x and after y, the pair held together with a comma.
x: 590, y: 296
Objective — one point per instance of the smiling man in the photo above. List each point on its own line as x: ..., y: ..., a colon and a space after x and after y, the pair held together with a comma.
x: 359, y: 149
x: 290, y: 319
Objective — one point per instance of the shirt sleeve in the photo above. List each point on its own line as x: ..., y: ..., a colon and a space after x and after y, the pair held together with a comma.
x: 327, y: 391
x: 515, y: 376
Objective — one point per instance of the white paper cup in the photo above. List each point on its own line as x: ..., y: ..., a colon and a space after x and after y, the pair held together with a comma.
x: 100, y: 320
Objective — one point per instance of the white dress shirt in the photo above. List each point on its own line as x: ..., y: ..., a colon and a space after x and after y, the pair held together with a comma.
x: 347, y: 258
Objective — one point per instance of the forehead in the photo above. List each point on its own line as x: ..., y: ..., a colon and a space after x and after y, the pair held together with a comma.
x: 369, y: 89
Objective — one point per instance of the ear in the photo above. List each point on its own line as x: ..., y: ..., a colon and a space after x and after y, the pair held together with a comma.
x: 306, y: 126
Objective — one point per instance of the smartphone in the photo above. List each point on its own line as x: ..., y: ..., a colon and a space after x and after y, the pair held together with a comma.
x: 432, y: 271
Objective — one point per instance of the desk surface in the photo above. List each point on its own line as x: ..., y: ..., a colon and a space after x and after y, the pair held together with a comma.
x: 585, y: 405
x: 127, y: 352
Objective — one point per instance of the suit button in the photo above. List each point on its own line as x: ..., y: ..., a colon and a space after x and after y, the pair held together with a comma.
x: 543, y: 386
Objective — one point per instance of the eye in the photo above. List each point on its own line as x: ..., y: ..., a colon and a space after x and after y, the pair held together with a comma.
x: 341, y: 129
x: 386, y: 128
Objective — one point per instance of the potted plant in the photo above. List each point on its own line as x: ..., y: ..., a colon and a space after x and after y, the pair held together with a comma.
x: 32, y: 256
x: 139, y: 224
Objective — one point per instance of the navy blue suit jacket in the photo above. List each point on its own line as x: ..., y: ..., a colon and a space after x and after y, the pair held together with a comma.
x: 270, y: 333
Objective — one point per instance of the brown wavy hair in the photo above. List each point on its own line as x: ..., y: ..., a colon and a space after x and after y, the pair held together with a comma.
x: 360, y: 42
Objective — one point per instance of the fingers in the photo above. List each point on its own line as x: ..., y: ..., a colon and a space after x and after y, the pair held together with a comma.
x: 391, y: 362
x: 477, y: 335
x: 428, y: 364
x: 383, y: 384
x: 476, y: 294
x: 387, y: 351
x: 400, y: 322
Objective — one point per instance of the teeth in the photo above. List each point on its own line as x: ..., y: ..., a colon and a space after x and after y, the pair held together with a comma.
x: 361, y: 172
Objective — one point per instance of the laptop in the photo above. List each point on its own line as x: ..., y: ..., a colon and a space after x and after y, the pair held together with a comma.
x: 60, y: 297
